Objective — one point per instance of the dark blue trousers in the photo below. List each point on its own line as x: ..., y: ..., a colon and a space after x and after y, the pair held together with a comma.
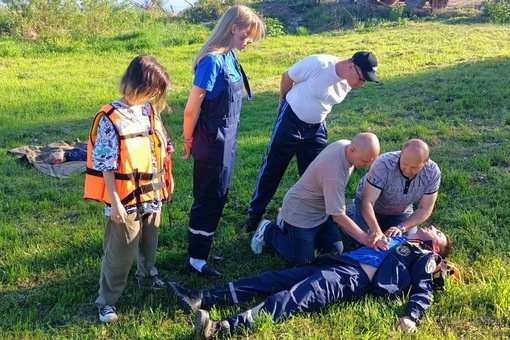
x: 291, y: 136
x: 292, y: 291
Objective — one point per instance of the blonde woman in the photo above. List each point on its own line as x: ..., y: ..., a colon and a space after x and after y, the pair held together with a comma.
x: 211, y: 121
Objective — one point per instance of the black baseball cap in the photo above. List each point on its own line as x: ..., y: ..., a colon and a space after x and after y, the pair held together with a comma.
x: 367, y: 62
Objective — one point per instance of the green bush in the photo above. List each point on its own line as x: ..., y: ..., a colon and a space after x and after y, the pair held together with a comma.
x: 301, y: 31
x: 274, y: 27
x: 42, y: 19
x: 92, y: 25
x: 498, y: 11
x: 323, y: 18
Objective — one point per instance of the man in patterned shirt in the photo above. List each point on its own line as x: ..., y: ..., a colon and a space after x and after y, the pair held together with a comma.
x: 396, y: 180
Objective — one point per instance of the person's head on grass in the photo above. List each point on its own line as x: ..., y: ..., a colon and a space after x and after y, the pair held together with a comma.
x: 440, y: 241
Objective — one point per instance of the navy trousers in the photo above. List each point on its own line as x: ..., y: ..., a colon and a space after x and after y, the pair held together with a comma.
x: 291, y: 291
x: 291, y: 136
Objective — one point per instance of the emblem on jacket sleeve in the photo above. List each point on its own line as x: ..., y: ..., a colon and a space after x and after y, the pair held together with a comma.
x: 431, y: 265
x: 403, y: 250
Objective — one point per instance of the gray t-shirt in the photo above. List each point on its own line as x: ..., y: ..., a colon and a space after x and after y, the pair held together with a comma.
x: 320, y: 191
x: 397, y: 192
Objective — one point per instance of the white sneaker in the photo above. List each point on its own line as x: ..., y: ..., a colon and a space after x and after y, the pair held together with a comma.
x: 257, y: 242
x: 107, y: 314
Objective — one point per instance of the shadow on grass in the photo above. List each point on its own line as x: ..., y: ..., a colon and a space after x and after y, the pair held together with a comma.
x: 460, y: 111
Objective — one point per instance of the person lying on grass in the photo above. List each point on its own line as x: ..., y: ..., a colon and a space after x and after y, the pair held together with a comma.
x: 410, y: 264
x: 78, y: 153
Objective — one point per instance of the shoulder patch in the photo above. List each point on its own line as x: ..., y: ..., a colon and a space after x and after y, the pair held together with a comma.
x: 403, y: 250
x: 431, y: 265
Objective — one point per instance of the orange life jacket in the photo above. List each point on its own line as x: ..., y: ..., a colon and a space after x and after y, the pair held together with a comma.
x: 134, y: 181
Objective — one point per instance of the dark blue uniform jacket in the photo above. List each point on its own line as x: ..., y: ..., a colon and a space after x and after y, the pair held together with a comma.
x: 410, y: 265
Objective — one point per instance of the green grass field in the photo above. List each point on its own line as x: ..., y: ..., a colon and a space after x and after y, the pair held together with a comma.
x: 444, y: 82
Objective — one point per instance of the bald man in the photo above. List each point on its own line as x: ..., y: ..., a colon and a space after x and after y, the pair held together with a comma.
x: 314, y: 207
x: 386, y: 194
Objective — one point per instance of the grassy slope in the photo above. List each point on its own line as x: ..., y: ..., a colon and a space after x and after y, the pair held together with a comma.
x: 444, y: 82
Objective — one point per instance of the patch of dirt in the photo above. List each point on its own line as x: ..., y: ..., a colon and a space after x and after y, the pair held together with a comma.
x: 282, y: 11
x: 292, y: 12
x: 294, y: 15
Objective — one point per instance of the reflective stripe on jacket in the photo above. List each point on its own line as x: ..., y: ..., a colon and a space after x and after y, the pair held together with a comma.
x: 135, y: 182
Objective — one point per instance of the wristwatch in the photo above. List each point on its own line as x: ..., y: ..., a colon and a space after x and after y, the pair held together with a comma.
x: 401, y: 228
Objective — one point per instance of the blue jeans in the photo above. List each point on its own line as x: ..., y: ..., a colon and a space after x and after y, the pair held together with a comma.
x: 297, y: 245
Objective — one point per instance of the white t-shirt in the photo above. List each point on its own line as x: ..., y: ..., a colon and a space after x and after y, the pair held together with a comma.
x: 317, y: 87
x: 320, y: 192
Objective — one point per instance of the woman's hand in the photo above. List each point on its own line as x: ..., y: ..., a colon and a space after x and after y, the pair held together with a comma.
x: 188, y: 146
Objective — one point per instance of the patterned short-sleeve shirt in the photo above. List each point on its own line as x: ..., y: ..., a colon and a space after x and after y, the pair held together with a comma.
x: 397, y: 191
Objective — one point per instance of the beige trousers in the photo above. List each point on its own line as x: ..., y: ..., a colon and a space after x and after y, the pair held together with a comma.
x: 138, y: 237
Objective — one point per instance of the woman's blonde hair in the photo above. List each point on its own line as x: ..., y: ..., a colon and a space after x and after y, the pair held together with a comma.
x: 145, y: 79
x: 242, y: 16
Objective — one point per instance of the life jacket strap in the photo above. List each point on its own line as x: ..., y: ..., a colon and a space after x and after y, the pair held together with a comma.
x: 137, y: 134
x: 142, y: 190
x: 144, y: 176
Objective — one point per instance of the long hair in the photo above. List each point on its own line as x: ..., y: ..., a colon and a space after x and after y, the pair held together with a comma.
x: 220, y: 38
x: 145, y: 79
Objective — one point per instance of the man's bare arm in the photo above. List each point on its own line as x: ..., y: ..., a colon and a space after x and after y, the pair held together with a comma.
x: 369, y: 195
x: 420, y: 215
x: 286, y: 84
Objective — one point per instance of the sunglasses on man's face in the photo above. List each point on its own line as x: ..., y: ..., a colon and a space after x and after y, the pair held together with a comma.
x: 361, y: 79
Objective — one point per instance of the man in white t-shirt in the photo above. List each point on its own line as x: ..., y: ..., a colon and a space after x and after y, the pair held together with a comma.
x: 386, y: 194
x: 308, y: 91
x: 314, y: 207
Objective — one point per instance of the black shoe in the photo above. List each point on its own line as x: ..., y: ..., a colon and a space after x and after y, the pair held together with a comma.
x: 205, y: 328
x: 189, y: 300
x: 252, y: 223
x: 207, y: 272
